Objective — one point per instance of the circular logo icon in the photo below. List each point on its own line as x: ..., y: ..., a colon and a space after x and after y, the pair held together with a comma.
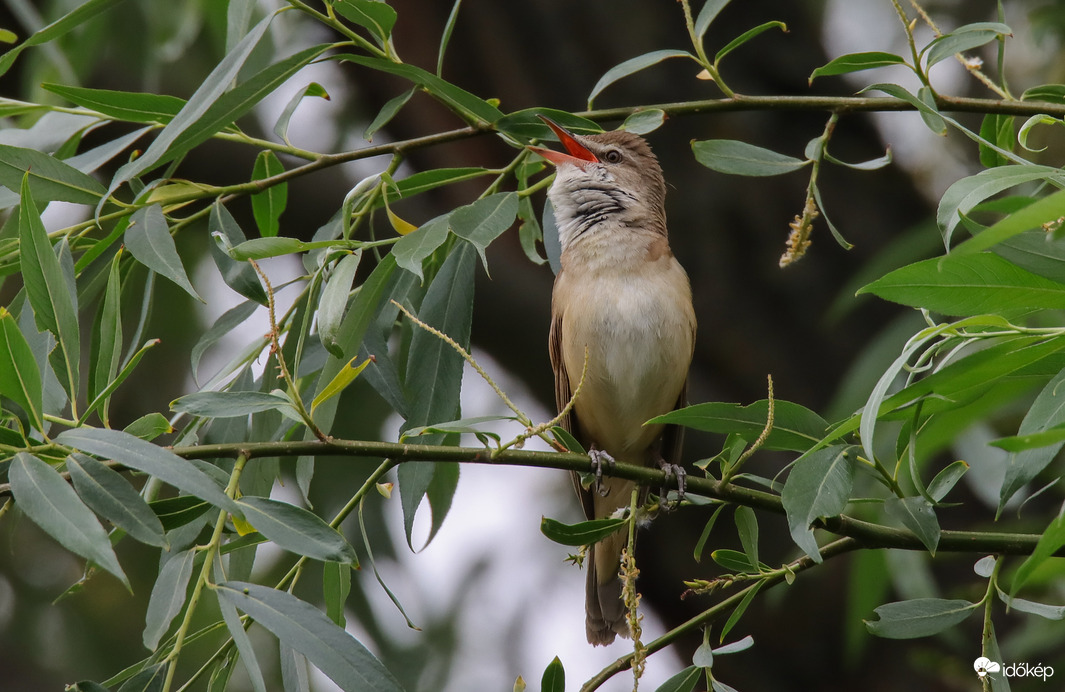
x: 985, y: 665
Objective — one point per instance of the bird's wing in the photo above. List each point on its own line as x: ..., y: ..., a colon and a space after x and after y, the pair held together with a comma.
x: 563, y: 393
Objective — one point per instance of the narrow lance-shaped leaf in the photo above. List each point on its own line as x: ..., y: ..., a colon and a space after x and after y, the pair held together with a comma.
x: 1046, y: 413
x: 111, y: 496
x: 632, y: 66
x: 240, y: 636
x: 554, y: 677
x: 240, y: 276
x: 20, y: 378
x: 340, y: 382
x: 307, y: 630
x: 148, y: 239
x: 583, y: 533
x: 740, y: 158
x: 76, y: 17
x: 919, y: 617
x: 53, y: 505
x: 747, y: 36
x: 268, y: 205
x: 434, y: 374
x: 334, y: 301
x: 50, y: 178
x: 105, y: 352
x: 48, y: 290
x: 281, y: 126
x: 151, y: 459
x: 296, y: 529
x: 413, y: 248
x: 971, y: 284
x: 168, y: 596
x: 138, y: 107
x: 854, y: 62
x: 210, y: 90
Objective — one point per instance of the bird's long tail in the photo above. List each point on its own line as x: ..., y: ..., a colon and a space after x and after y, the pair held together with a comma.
x: 604, y: 607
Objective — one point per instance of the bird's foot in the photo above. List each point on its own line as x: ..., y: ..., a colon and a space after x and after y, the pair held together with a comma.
x: 599, y: 458
x: 677, y: 477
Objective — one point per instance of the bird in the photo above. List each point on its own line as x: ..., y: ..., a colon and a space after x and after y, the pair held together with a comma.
x: 622, y: 298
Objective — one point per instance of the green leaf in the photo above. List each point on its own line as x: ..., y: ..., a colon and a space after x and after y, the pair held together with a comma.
x: 734, y: 618
x: 929, y: 113
x: 1050, y: 542
x: 919, y: 617
x: 334, y: 301
x: 567, y: 440
x: 582, y: 533
x: 281, y: 126
x: 554, y: 677
x: 230, y: 404
x: 434, y: 376
x: 376, y: 16
x: 148, y: 239
x: 296, y: 530
x: 632, y: 66
x: 168, y: 596
x: 747, y: 36
x: 464, y: 103
x: 484, y: 220
x: 747, y: 528
x: 1047, y: 413
x: 50, y: 289
x: 1043, y: 610
x: 53, y: 505
x: 997, y: 128
x: 706, y: 16
x: 1020, y: 443
x: 20, y: 378
x: 76, y: 17
x: 962, y: 39
x: 855, y: 62
x: 111, y: 496
x: 50, y: 178
x: 918, y: 515
x: 969, y: 284
x: 795, y: 427
x: 525, y: 125
x: 642, y: 122
x: 149, y: 426
x: 685, y: 680
x: 1051, y: 93
x: 226, y: 323
x: 424, y: 181
x: 962, y: 196
x: 697, y: 552
x: 412, y: 249
x: 946, y: 479
x: 240, y: 276
x: 207, y: 97
x: 388, y: 111
x: 130, y: 106
x: 174, y: 512
x: 105, y: 350
x: 336, y: 585
x: 734, y: 561
x: 307, y: 630
x: 1044, y: 210
x: 267, y: 206
x: 340, y: 381
x: 740, y: 158
x: 151, y: 459
x: 819, y: 485
x: 240, y: 636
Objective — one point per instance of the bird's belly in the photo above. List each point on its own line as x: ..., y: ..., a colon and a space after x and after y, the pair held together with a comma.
x: 639, y: 339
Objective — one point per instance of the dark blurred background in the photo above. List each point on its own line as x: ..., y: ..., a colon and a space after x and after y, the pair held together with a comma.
x: 823, y: 347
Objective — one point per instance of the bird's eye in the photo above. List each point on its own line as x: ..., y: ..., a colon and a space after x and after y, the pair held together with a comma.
x: 612, y: 156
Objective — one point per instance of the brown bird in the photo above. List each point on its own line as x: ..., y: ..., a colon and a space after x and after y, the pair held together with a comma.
x: 623, y: 297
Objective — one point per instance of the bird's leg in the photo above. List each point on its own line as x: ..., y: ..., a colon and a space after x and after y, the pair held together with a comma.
x: 674, y: 473
x: 598, y: 457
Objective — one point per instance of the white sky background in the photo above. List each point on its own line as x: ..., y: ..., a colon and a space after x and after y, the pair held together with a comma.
x: 496, y: 511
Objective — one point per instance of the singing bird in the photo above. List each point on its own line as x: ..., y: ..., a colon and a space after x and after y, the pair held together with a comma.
x: 621, y: 296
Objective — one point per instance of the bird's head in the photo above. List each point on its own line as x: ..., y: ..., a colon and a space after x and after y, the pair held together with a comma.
x: 602, y: 178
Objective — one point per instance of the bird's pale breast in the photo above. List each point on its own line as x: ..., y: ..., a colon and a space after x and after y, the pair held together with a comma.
x: 638, y: 326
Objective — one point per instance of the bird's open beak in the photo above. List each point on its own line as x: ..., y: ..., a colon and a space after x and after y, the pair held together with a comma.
x: 578, y: 153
